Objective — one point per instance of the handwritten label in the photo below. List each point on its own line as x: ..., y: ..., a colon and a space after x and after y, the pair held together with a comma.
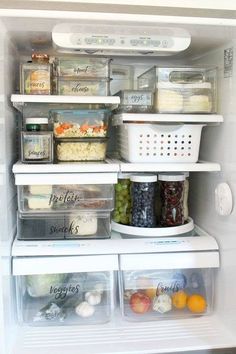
x: 72, y: 229
x: 67, y: 197
x: 60, y: 292
x: 85, y: 70
x: 139, y: 99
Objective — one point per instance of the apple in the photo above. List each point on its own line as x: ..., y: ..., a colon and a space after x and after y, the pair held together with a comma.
x: 139, y: 302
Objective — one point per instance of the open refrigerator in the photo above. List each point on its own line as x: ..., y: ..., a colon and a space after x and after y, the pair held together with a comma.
x: 211, y: 246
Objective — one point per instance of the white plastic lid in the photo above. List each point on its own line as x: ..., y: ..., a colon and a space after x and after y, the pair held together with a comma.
x: 39, y: 120
x: 171, y: 177
x: 143, y: 178
x: 186, y: 174
x: 173, y: 85
x: 124, y: 175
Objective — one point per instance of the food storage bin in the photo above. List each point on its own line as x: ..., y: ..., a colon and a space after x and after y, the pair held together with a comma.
x: 167, y: 285
x: 80, y: 225
x: 37, y: 147
x: 146, y: 142
x: 82, y: 87
x: 80, y: 123
x: 172, y: 199
x: 181, y: 90
x: 80, y: 149
x: 135, y: 101
x: 143, y: 193
x: 60, y: 199
x: 83, y: 67
x: 72, y: 290
x: 35, y: 79
x: 122, y: 211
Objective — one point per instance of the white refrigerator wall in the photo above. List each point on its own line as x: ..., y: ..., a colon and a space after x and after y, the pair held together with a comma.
x: 218, y: 144
x: 7, y: 188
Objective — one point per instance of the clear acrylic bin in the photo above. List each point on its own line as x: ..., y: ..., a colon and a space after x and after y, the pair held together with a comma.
x: 181, y: 90
x: 59, y: 199
x: 83, y: 67
x: 80, y: 225
x: 82, y: 87
x: 47, y: 295
x: 135, y: 101
x: 167, y: 286
x: 35, y: 79
x: 80, y: 123
x: 80, y: 149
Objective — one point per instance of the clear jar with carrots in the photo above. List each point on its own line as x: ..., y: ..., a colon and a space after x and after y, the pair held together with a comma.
x: 80, y: 123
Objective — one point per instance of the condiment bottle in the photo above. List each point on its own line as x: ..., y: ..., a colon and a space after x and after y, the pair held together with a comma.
x: 122, y: 211
x: 36, y: 141
x: 172, y: 196
x: 143, y: 188
x: 36, y: 76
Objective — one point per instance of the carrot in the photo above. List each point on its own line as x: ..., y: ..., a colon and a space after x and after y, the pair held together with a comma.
x: 66, y: 126
x: 84, y: 127
x: 59, y: 130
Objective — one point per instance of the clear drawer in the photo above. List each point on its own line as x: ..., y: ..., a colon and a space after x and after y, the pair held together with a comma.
x: 64, y: 290
x: 60, y: 199
x: 167, y: 286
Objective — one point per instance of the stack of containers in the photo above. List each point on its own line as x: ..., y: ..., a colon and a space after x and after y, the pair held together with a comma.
x: 82, y: 76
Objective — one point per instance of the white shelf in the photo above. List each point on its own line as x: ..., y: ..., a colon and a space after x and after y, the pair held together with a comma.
x: 19, y: 100
x: 122, y: 337
x: 159, y: 118
x: 116, y: 245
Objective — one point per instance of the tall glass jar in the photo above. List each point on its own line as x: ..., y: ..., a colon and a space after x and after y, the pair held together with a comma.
x: 172, y: 199
x: 143, y: 188
x: 186, y: 192
x: 122, y: 211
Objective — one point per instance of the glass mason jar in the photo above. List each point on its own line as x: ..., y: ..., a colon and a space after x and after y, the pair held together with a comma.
x: 122, y: 211
x: 172, y: 199
x: 143, y: 188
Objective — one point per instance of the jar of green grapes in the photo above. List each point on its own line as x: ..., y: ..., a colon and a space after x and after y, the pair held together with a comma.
x: 122, y: 211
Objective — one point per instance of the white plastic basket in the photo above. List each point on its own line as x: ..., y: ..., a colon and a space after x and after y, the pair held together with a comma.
x: 159, y: 143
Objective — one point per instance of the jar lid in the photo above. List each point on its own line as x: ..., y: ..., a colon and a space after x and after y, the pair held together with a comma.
x: 124, y: 175
x: 143, y: 178
x: 40, y: 57
x: 171, y: 177
x: 39, y: 120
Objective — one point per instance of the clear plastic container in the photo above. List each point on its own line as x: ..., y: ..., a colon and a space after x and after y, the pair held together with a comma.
x: 35, y: 79
x: 122, y: 211
x: 80, y: 123
x: 164, y: 294
x: 181, y: 90
x: 82, y: 225
x: 59, y: 199
x: 172, y: 199
x: 135, y: 101
x: 79, y: 298
x: 80, y: 149
x: 143, y: 189
x: 83, y: 67
x: 82, y: 87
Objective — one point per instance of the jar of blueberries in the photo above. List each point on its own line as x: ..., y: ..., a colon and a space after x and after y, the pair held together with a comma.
x: 172, y: 199
x: 143, y: 188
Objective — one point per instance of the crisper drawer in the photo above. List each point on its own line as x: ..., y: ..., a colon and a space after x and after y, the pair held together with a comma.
x: 80, y: 225
x: 49, y: 199
x: 167, y: 285
x: 65, y: 290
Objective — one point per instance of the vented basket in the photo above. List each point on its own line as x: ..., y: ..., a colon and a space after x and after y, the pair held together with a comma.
x: 160, y: 143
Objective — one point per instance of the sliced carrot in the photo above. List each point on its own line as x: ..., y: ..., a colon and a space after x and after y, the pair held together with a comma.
x: 84, y: 127
x: 66, y: 126
x: 59, y: 130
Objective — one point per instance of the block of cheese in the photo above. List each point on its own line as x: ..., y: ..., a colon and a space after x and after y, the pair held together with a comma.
x: 198, y: 103
x: 39, y: 202
x: 40, y: 189
x: 168, y: 101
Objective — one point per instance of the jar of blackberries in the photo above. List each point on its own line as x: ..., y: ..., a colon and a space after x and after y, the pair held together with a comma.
x: 143, y: 188
x: 172, y: 199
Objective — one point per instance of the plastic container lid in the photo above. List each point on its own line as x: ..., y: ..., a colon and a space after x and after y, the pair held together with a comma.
x: 173, y: 85
x: 124, y: 175
x: 171, y: 177
x: 36, y: 120
x: 143, y: 178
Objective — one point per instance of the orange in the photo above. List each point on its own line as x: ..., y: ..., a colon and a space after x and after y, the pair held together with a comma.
x: 179, y: 299
x: 151, y: 292
x: 196, y: 303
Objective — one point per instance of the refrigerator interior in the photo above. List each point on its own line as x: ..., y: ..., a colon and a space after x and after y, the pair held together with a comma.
x: 19, y: 36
